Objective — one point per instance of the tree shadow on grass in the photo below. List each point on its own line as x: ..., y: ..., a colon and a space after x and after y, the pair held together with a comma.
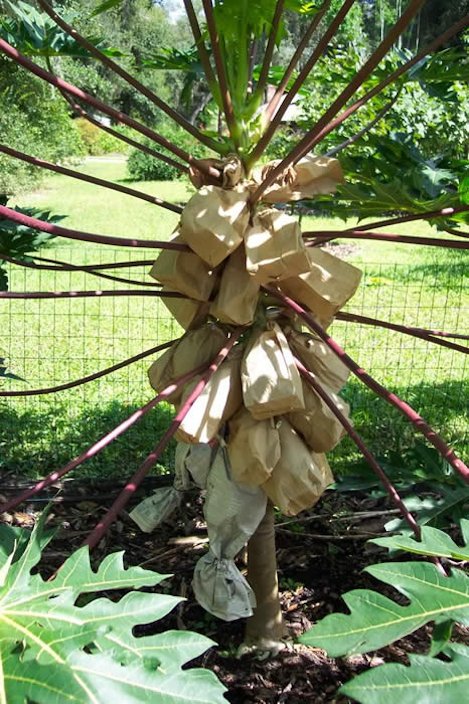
x: 384, y: 429
x: 35, y: 441
x: 445, y: 275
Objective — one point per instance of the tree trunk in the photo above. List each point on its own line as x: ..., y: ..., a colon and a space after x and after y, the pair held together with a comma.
x: 265, y: 628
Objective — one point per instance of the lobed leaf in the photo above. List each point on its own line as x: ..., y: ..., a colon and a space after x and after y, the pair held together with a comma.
x: 426, y: 680
x: 434, y: 542
x: 375, y: 621
x: 52, y: 650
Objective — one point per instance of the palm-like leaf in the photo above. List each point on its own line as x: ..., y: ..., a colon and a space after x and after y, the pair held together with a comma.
x: 53, y: 650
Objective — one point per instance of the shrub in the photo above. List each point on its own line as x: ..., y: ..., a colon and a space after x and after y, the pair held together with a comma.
x: 96, y: 141
x: 35, y: 121
x: 143, y: 167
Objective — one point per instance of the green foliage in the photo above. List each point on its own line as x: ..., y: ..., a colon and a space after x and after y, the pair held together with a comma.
x: 433, y: 543
x: 442, y: 498
x: 55, y: 650
x: 390, y: 174
x: 143, y: 167
x: 18, y: 241
x: 375, y: 621
x: 35, y: 121
x: 35, y: 34
x: 426, y: 679
x: 97, y: 141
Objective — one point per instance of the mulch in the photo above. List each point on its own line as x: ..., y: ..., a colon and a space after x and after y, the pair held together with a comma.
x: 321, y: 554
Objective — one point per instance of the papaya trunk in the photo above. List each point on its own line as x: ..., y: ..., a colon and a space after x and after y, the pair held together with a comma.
x: 266, y: 624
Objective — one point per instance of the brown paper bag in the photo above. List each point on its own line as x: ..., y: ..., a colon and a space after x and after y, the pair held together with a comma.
x: 253, y: 448
x: 231, y: 170
x: 184, y: 272
x: 312, y: 175
x: 270, y: 379
x: 196, y: 347
x: 326, y: 287
x: 319, y: 359
x: 220, y: 400
x: 275, y: 247
x: 185, y: 310
x: 300, y: 476
x: 317, y: 425
x: 238, y: 295
x: 214, y: 221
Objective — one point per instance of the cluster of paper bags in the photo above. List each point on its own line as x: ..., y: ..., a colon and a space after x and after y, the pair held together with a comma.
x: 269, y: 428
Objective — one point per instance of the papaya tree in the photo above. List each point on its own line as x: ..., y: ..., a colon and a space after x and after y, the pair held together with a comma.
x: 244, y: 281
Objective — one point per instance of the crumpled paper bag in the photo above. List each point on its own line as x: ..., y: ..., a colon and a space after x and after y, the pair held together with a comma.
x: 232, y: 513
x: 319, y: 359
x: 196, y: 347
x: 155, y: 509
x: 300, y: 477
x: 253, y: 448
x: 311, y: 176
x: 271, y: 382
x: 218, y: 402
x: 214, y: 221
x: 238, y: 295
x: 326, y: 288
x: 184, y: 272
x: 231, y: 169
x: 192, y: 465
x: 318, y: 426
x: 185, y: 311
x: 275, y: 247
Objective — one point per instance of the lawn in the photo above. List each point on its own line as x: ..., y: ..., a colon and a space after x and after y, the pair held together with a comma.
x: 52, y: 341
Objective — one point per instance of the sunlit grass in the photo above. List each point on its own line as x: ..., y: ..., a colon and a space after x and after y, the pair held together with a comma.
x: 49, y: 342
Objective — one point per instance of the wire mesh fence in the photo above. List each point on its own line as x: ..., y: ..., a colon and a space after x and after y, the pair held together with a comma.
x: 50, y: 342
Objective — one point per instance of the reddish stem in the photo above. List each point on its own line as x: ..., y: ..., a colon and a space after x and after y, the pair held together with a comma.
x: 364, y: 130
x: 90, y: 377
x: 428, y: 215
x: 442, y: 39
x: 308, y: 141
x: 103, y: 442
x: 62, y: 85
x: 88, y: 294
x: 370, y: 458
x: 264, y: 73
x: 86, y: 269
x: 89, y: 179
x: 177, y: 117
x: 453, y: 231
x: 272, y: 106
x: 59, y: 231
x: 417, y: 421
x: 306, y: 70
x: 199, y: 42
x: 65, y: 266
x: 78, y: 110
x: 134, y: 482
x: 220, y: 68
x: 414, y: 332
x: 327, y: 236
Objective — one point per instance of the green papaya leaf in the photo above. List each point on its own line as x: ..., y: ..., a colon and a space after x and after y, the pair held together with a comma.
x: 54, y: 651
x: 440, y: 637
x: 375, y: 621
x: 434, y: 542
x: 106, y: 5
x: 426, y: 680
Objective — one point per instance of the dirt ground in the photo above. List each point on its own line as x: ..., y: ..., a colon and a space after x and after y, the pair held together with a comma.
x: 321, y: 554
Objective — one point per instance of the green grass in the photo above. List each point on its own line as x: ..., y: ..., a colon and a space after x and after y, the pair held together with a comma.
x: 48, y: 342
